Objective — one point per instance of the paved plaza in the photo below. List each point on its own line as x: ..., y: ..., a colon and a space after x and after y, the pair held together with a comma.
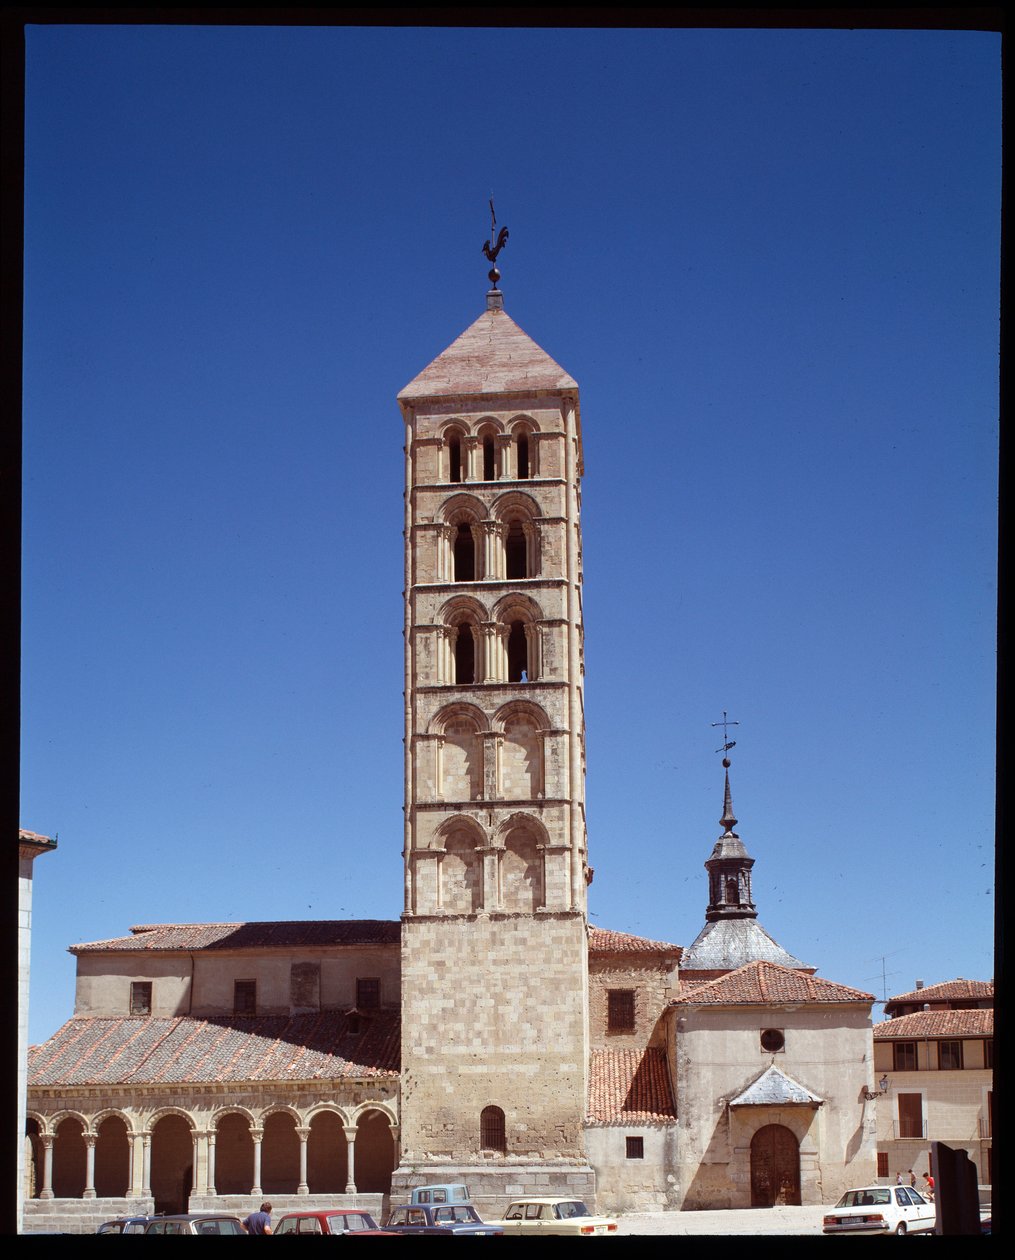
x: 775, y: 1220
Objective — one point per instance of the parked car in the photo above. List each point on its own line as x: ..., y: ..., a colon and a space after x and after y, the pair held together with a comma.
x: 554, y: 1216
x: 439, y: 1218
x: 124, y: 1225
x: 327, y: 1221
x: 455, y: 1192
x: 194, y: 1223
x: 881, y: 1210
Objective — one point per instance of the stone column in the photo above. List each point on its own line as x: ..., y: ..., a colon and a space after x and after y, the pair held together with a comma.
x: 490, y: 634
x: 47, y: 1165
x: 135, y: 1155
x: 195, y: 1157
x: 531, y: 532
x: 492, y: 741
x: 451, y: 662
x: 212, y: 1135
x: 350, y: 1148
x: 445, y: 535
x: 472, y: 458
x: 396, y: 1141
x: 89, y: 1190
x: 438, y: 767
x: 146, y: 1164
x: 478, y: 558
x: 303, y: 1134
x: 533, y: 643
x: 255, y: 1189
x: 505, y: 456
x: 494, y: 555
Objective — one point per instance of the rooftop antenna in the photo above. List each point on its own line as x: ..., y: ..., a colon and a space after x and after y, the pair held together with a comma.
x: 490, y: 249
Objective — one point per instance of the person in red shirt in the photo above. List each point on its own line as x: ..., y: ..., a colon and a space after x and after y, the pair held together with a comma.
x: 928, y: 1186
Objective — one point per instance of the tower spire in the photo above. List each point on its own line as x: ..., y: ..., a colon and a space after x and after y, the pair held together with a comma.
x: 727, y: 820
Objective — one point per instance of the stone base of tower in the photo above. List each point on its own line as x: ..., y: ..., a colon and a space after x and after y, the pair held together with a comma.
x: 493, y: 1186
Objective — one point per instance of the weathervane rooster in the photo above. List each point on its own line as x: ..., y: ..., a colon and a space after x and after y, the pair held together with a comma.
x: 491, y: 250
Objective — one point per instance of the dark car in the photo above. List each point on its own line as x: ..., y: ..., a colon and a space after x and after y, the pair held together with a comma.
x: 440, y: 1218
x: 326, y: 1221
x: 124, y: 1225
x: 195, y: 1223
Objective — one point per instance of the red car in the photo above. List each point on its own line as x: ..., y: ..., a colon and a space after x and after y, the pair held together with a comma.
x: 327, y: 1221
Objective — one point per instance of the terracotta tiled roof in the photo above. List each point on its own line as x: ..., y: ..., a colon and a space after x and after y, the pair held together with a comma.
x: 948, y: 991
x: 280, y: 935
x: 761, y: 983
x: 145, y: 1050
x: 629, y: 1087
x: 492, y: 356
x: 34, y: 843
x: 937, y: 1024
x: 602, y: 941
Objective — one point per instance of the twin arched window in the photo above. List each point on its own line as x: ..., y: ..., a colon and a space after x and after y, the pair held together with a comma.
x: 491, y: 455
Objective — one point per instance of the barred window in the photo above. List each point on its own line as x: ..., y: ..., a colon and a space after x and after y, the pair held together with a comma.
x: 882, y: 1163
x: 491, y: 1130
x: 141, y: 997
x: 635, y: 1147
x: 620, y: 1010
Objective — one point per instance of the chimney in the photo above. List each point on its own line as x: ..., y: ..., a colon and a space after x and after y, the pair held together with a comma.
x: 919, y: 984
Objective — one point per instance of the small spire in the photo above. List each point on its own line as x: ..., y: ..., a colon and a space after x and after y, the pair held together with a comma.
x: 727, y: 820
x: 494, y: 297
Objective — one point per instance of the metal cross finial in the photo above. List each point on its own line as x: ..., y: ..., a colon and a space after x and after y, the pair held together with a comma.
x: 490, y: 249
x: 727, y: 743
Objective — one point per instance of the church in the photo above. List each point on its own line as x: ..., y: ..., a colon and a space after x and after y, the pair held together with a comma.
x: 489, y: 1034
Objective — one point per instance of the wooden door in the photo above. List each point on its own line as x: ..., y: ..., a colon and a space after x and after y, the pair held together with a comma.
x: 775, y: 1167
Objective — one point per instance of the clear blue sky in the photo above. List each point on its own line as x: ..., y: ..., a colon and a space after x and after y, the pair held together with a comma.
x: 771, y: 261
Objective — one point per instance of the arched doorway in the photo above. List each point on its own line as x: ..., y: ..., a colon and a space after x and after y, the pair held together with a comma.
x: 280, y: 1154
x: 375, y: 1153
x: 234, y: 1154
x: 112, y: 1159
x: 327, y: 1171
x: 172, y: 1164
x: 775, y: 1167
x: 69, y: 1159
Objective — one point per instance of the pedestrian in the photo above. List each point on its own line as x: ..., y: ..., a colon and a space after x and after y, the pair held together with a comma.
x: 898, y: 1178
x: 912, y: 1180
x: 259, y: 1222
x: 928, y: 1186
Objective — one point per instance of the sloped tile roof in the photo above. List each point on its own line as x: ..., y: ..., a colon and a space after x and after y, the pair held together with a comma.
x: 145, y: 1050
x: 773, y: 1088
x: 937, y: 1024
x: 725, y: 944
x: 492, y: 356
x: 948, y: 991
x: 761, y: 983
x: 280, y: 935
x: 602, y: 941
x: 629, y: 1086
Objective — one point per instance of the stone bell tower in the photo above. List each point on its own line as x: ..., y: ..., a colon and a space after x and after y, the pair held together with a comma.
x: 494, y: 953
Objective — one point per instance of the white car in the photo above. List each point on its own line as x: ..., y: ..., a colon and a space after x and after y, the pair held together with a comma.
x: 531, y: 1217
x: 881, y: 1210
